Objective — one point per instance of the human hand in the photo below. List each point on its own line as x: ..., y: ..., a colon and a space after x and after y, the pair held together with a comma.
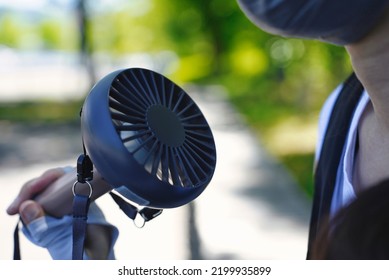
x: 47, y: 222
x: 52, y: 192
x: 24, y: 204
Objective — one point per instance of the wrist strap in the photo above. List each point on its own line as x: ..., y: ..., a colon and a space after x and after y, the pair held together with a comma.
x: 16, y: 242
x: 80, y: 217
x: 81, y: 205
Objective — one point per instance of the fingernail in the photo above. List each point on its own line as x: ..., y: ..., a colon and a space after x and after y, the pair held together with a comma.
x: 30, y: 212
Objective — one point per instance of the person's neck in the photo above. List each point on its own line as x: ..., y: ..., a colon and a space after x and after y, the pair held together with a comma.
x: 370, y: 59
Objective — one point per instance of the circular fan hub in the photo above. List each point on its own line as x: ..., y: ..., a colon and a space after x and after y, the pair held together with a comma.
x: 166, y: 125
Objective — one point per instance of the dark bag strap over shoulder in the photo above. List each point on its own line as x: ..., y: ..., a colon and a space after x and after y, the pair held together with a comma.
x: 332, y: 148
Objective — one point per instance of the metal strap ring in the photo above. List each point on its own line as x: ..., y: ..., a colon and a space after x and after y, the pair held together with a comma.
x: 139, y: 222
x: 74, y: 188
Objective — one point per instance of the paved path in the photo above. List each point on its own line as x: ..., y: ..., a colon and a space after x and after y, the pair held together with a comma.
x: 251, y: 210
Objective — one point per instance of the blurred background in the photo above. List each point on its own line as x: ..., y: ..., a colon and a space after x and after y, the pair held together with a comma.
x: 53, y: 51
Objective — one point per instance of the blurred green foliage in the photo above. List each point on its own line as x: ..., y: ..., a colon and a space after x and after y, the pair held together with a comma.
x: 268, y: 78
x: 43, y: 111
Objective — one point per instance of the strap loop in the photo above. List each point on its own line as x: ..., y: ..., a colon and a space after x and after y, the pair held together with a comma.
x: 132, y: 212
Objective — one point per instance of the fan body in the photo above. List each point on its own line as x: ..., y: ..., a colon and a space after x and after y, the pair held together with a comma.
x: 148, y: 139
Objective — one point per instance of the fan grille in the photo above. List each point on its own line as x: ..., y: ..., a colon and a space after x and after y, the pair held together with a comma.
x: 162, y: 128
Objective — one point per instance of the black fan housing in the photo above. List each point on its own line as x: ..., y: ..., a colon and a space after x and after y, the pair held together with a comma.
x: 148, y: 138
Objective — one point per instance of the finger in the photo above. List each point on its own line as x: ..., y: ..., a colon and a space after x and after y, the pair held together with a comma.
x: 33, y: 187
x: 30, y: 210
x: 42, y: 182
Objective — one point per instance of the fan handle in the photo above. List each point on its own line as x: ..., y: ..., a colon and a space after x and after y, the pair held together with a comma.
x: 57, y: 199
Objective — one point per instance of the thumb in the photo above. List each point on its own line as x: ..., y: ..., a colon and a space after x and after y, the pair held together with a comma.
x: 30, y: 210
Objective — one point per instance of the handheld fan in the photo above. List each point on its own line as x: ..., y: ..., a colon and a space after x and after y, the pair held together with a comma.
x: 148, y: 139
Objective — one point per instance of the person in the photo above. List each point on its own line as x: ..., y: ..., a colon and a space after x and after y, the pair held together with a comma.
x: 361, y: 27
x: 355, y: 233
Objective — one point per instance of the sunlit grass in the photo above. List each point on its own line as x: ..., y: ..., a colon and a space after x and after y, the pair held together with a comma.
x: 40, y: 111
